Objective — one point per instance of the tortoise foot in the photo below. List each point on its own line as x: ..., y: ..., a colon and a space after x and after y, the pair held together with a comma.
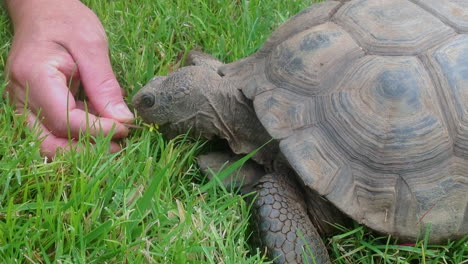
x: 243, y: 179
x: 283, y: 224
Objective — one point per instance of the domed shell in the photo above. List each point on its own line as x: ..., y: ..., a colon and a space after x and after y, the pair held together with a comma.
x: 369, y: 100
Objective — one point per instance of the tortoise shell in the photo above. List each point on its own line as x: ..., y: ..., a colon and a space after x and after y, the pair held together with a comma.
x: 369, y: 101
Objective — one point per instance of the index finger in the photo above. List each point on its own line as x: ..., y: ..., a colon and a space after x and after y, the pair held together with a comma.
x: 100, y: 83
x: 50, y: 95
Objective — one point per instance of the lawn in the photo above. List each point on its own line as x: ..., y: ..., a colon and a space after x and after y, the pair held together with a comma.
x: 149, y: 203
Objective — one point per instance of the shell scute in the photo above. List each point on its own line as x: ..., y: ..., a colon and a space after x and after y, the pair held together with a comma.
x: 308, y: 63
x: 387, y: 115
x: 453, y: 12
x: 393, y: 27
x: 451, y: 62
x: 307, y: 18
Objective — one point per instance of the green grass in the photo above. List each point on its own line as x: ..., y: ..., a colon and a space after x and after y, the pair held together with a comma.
x: 148, y: 203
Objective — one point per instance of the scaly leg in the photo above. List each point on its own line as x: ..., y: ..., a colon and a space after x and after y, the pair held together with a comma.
x: 283, y: 224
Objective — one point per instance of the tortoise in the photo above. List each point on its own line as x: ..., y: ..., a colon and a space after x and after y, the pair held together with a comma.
x: 365, y: 106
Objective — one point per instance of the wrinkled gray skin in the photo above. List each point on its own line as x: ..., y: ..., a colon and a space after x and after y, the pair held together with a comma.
x: 199, y: 99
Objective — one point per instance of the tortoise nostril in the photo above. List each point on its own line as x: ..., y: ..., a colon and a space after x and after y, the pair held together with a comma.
x: 147, y: 100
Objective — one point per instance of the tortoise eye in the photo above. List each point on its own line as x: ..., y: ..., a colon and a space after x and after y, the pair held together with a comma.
x: 147, y: 100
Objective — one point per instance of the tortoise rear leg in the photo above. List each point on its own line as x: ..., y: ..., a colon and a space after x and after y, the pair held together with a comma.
x: 283, y: 223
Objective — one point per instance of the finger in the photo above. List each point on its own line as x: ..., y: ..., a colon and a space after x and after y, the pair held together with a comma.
x: 78, y: 122
x: 114, y: 147
x: 51, y: 145
x: 69, y: 68
x: 59, y: 110
x: 100, y: 83
x: 86, y: 107
x: 74, y: 86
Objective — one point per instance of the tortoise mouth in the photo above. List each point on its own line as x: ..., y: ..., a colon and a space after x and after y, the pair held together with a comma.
x: 170, y: 130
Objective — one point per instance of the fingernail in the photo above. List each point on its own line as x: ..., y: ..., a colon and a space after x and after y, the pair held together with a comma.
x: 122, y: 113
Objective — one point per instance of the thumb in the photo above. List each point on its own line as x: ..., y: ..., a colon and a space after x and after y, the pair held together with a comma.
x: 101, y: 85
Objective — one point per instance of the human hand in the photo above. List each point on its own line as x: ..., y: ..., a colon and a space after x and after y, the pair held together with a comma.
x: 57, y: 43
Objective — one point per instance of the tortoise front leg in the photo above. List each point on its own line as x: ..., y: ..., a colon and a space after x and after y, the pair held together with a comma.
x: 283, y: 224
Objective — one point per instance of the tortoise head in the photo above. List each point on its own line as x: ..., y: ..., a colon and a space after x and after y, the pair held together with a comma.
x: 181, y: 101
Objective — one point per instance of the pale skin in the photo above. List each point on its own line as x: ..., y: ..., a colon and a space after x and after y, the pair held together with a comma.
x: 57, y: 43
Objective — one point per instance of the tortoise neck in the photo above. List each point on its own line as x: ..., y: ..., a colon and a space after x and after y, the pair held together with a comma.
x: 239, y: 125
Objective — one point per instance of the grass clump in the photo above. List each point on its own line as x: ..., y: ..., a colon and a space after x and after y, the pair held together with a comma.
x: 94, y: 207
x: 360, y: 245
